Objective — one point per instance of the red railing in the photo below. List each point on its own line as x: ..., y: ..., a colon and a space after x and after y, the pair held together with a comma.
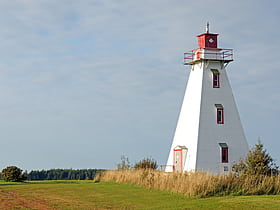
x: 197, y: 54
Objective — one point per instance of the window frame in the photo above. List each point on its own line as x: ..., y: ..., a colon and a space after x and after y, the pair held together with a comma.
x: 215, y: 78
x: 220, y: 115
x: 224, y: 152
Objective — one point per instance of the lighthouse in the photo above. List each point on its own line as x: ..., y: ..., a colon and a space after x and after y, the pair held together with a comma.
x: 209, y: 136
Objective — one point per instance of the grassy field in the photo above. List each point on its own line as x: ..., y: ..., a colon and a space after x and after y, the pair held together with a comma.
x: 110, y: 195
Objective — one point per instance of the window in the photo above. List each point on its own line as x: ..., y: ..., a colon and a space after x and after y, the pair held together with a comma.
x: 224, y: 152
x: 220, y: 113
x: 216, y: 81
x: 224, y: 155
x: 215, y: 78
x: 220, y: 116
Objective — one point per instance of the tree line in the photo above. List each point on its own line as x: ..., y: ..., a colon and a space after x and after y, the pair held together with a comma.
x: 15, y: 174
x: 63, y: 174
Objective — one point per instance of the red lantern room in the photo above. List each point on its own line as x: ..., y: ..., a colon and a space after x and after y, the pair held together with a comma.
x: 207, y: 40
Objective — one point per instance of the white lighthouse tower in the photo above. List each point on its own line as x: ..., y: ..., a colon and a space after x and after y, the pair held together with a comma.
x: 209, y: 136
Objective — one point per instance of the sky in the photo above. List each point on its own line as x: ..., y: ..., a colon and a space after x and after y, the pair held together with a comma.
x: 84, y: 82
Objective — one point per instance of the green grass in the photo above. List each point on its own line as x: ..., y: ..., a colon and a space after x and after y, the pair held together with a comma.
x: 109, y: 195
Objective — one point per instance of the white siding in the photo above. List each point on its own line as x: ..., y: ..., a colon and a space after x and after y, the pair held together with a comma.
x: 197, y: 128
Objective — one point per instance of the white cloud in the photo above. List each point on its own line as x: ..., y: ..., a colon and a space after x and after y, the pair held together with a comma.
x: 108, y: 74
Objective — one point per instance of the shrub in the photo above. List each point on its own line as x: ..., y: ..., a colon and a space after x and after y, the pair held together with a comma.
x: 257, y: 162
x: 146, y: 163
x: 13, y: 174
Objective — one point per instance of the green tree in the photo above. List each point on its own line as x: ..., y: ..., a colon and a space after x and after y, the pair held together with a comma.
x: 146, y: 163
x: 13, y: 174
x: 257, y: 162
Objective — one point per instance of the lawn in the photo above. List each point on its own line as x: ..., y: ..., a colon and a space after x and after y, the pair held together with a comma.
x: 109, y: 195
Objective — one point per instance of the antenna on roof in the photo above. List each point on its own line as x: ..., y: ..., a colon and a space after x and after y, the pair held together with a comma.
x: 207, y: 27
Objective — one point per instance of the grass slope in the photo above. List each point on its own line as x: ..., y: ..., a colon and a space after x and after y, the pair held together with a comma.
x: 109, y: 195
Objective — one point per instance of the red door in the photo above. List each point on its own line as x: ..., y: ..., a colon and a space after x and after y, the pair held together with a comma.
x: 178, y: 160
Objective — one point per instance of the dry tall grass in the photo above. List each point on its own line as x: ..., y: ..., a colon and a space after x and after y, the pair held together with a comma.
x: 196, y: 184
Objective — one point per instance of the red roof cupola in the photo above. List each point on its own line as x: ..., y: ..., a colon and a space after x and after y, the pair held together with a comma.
x: 207, y: 40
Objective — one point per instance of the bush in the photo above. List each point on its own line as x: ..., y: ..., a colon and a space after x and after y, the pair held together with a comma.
x: 258, y: 162
x: 147, y: 163
x: 13, y: 174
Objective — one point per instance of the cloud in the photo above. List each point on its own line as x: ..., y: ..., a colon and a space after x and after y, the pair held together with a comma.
x: 80, y: 76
